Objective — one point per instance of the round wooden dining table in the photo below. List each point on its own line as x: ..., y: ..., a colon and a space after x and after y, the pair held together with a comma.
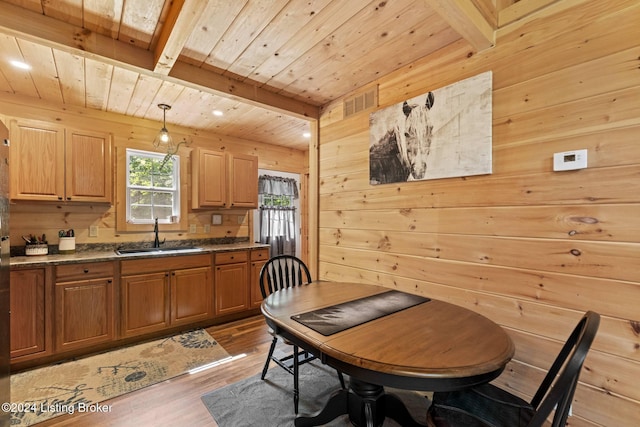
x: 430, y: 346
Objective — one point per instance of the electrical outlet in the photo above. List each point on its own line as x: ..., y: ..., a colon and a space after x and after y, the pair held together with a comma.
x: 216, y: 219
x: 93, y: 231
x: 207, y: 228
x: 192, y: 228
x: 240, y: 219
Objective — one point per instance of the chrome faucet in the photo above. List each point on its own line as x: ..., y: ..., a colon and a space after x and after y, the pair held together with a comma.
x: 156, y: 242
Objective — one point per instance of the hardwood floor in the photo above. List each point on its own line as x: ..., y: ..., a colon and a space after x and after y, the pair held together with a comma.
x: 176, y: 402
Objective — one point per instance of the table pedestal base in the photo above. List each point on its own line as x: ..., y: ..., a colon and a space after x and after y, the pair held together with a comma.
x: 367, y: 405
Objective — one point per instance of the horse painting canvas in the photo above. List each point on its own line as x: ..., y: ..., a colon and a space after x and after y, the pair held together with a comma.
x: 442, y: 134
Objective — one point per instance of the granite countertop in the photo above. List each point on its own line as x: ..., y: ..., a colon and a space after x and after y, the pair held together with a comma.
x: 108, y: 254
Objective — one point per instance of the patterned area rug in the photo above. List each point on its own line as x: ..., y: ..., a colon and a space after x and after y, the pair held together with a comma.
x: 80, y: 385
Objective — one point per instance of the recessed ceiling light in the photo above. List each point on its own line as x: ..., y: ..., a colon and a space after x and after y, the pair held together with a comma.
x: 218, y: 113
x: 20, y: 64
x: 306, y: 135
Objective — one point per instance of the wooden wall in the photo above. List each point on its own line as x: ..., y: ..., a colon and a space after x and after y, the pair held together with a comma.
x: 530, y: 248
x: 134, y: 133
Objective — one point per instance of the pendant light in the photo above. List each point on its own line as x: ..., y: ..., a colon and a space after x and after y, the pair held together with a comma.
x: 164, y: 138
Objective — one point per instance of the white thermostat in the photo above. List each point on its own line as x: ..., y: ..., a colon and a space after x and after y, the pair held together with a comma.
x: 570, y: 160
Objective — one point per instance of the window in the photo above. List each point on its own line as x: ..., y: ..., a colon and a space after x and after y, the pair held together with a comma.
x: 152, y: 187
x: 277, y: 215
x: 273, y: 200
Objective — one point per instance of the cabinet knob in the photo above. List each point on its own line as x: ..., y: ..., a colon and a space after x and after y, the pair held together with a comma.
x: 86, y: 270
x: 59, y: 197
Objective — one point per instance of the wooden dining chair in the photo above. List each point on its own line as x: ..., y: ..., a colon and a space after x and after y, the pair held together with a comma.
x: 489, y: 406
x: 281, y: 272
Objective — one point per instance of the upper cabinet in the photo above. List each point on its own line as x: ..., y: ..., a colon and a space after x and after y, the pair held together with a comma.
x: 88, y: 166
x: 209, y: 179
x: 54, y: 163
x: 243, y: 181
x: 223, y: 180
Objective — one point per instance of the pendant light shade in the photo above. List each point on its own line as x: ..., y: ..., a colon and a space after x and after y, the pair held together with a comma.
x: 164, y: 137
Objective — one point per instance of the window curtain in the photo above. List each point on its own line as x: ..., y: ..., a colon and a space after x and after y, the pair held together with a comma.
x: 277, y: 213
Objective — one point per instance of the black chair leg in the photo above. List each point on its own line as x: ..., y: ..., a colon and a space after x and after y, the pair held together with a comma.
x: 266, y: 364
x: 296, y: 391
x: 341, y: 379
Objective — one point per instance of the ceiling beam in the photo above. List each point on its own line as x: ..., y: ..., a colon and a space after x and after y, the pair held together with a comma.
x: 467, y: 20
x: 197, y: 78
x: 174, y: 34
x: 37, y: 28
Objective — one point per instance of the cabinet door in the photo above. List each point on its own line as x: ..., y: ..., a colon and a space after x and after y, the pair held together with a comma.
x: 37, y: 161
x: 191, y: 295
x: 231, y: 288
x: 243, y: 185
x: 259, y: 258
x: 83, y: 313
x: 88, y: 167
x: 209, y: 179
x: 27, y: 305
x: 145, y: 303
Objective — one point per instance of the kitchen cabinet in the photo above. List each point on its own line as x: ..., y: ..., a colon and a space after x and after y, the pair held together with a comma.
x: 159, y: 295
x: 231, y: 282
x: 54, y: 163
x: 209, y: 178
x: 191, y: 295
x: 243, y: 181
x: 259, y: 258
x: 84, y: 305
x: 29, y: 307
x: 223, y: 180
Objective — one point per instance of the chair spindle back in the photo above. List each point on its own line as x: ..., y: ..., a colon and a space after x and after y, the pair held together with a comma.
x: 281, y: 272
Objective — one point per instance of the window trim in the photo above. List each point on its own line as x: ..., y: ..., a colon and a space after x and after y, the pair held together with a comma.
x: 175, y: 189
x: 121, y: 194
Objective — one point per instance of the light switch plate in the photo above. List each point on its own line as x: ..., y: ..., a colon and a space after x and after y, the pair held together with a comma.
x: 570, y: 160
x: 93, y: 231
x: 207, y: 228
x: 216, y: 219
x: 192, y: 228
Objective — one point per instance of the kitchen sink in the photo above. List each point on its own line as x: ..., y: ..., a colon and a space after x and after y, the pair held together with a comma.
x: 158, y: 251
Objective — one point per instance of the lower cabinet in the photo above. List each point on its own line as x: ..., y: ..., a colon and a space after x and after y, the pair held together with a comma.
x: 237, y: 278
x: 84, y: 305
x: 259, y: 258
x: 28, y: 307
x: 158, y: 295
x: 66, y: 308
x: 191, y: 295
x: 231, y: 282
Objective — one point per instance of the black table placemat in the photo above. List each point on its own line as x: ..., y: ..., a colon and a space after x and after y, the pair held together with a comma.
x: 337, y: 318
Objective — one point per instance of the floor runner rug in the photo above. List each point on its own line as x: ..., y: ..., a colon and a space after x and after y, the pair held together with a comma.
x: 80, y: 385
x: 269, y: 403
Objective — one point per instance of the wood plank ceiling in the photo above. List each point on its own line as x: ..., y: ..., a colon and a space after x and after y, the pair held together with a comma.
x: 268, y: 65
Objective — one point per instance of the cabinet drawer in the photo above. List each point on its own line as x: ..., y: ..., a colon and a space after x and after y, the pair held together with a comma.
x: 231, y: 257
x: 166, y: 263
x: 87, y: 270
x: 260, y: 254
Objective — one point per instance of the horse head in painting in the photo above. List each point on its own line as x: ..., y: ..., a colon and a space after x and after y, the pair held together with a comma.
x: 417, y: 136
